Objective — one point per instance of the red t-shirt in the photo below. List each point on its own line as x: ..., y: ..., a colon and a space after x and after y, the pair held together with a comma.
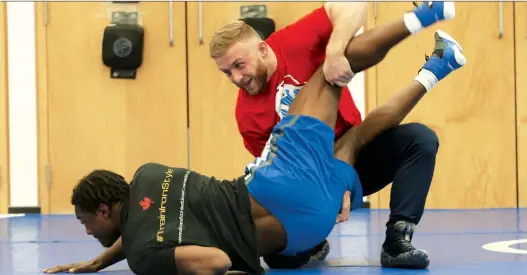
x: 300, y: 49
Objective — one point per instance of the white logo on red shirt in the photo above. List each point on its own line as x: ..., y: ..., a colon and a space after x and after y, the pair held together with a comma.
x: 286, y: 93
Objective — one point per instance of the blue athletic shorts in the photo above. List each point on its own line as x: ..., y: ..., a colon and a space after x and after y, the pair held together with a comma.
x: 301, y: 183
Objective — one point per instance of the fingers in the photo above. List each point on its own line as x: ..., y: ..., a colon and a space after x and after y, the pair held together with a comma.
x: 60, y: 268
x: 341, y: 79
x: 346, y: 205
x: 341, y: 82
x: 345, y: 210
x: 69, y: 268
x: 80, y: 269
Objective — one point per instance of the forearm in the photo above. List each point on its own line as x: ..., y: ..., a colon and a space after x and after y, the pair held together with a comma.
x: 197, y: 260
x: 347, y: 18
x: 111, y: 255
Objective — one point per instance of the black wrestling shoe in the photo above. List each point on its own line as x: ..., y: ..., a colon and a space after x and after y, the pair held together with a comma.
x: 316, y: 254
x: 320, y: 252
x: 397, y: 250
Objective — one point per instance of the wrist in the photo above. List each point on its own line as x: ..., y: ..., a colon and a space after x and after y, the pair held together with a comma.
x: 335, y: 50
x: 97, y: 263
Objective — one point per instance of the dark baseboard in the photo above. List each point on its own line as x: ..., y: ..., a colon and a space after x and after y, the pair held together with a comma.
x: 366, y: 204
x: 24, y: 210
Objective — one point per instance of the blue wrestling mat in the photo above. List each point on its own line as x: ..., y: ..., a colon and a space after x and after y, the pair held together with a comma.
x: 483, y: 242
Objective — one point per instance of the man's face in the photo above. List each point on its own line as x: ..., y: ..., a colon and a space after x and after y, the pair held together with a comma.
x: 99, y: 225
x: 243, y: 63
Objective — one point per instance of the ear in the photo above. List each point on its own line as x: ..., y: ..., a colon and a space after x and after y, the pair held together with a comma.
x: 103, y: 210
x: 263, y: 48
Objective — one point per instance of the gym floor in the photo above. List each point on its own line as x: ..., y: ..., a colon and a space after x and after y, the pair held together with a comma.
x: 458, y: 241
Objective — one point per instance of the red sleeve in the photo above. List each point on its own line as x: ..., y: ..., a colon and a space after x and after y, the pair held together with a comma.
x: 310, y: 32
x: 255, y: 117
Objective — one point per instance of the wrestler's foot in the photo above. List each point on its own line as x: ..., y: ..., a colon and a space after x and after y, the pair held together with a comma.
x: 430, y: 12
x: 446, y: 58
x: 311, y: 256
x: 397, y: 250
x: 320, y: 252
x: 427, y: 14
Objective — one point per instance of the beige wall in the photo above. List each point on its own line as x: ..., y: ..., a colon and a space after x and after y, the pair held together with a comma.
x: 484, y: 102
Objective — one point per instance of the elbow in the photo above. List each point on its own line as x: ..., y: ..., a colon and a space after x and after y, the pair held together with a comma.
x: 220, y: 264
x: 197, y: 260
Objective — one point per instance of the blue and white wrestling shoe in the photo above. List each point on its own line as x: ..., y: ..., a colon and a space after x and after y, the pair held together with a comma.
x: 430, y: 12
x: 446, y: 57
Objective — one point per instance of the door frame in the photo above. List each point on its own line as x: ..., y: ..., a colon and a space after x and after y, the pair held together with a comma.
x: 42, y: 105
x: 4, y: 136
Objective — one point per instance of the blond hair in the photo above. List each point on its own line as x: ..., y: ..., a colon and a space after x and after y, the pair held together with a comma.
x: 229, y: 35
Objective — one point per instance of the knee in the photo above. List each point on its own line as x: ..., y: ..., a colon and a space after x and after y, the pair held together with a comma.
x: 423, y: 138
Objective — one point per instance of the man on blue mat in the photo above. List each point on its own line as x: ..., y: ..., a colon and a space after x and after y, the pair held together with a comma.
x: 175, y: 221
x: 269, y: 74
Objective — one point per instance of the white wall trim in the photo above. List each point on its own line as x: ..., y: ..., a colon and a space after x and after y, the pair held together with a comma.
x: 7, y: 216
x: 23, y: 162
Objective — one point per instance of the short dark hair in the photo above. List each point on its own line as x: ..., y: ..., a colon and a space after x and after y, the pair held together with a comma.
x: 99, y: 187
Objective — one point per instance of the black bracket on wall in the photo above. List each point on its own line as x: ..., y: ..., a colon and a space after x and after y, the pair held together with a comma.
x: 125, y: 18
x: 253, y: 11
x: 256, y: 17
x: 122, y: 45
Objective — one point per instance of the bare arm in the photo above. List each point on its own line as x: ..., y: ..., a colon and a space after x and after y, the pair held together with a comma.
x: 347, y: 18
x: 111, y: 256
x: 384, y: 117
x: 198, y: 260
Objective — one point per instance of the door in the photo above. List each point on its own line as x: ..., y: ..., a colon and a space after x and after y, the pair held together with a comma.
x: 4, y: 133
x: 96, y: 122
x: 472, y: 111
x: 520, y: 13
x: 216, y: 145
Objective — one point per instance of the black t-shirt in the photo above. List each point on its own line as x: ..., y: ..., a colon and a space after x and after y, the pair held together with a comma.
x: 169, y: 207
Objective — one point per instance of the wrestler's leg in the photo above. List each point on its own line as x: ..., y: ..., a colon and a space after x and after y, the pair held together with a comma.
x: 369, y: 48
x: 347, y: 146
x: 408, y: 195
x: 446, y: 57
x: 318, y: 98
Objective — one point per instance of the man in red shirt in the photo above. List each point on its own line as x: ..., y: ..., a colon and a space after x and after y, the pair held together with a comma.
x: 270, y: 74
x: 300, y: 48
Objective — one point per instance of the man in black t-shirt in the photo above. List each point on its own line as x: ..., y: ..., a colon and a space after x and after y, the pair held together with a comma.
x: 165, y: 211
x: 170, y: 207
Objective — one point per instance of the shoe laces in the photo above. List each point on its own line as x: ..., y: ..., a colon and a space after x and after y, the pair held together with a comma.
x: 406, y: 245
x: 430, y: 3
x: 417, y: 5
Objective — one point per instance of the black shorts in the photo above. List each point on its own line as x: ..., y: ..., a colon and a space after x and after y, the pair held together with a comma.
x: 154, y: 260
